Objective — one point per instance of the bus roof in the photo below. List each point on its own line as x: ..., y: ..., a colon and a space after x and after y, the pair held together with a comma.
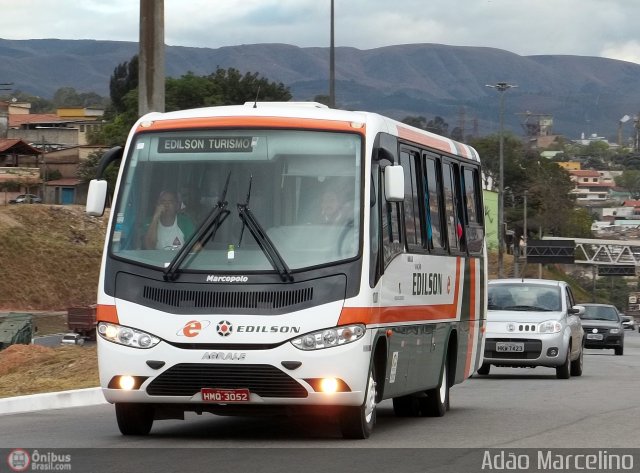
x: 302, y: 115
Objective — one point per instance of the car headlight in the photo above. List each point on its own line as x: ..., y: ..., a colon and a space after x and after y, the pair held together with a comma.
x: 126, y: 336
x: 614, y: 330
x: 330, y: 337
x: 550, y: 326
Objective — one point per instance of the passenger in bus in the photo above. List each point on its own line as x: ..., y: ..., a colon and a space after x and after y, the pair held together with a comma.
x: 168, y: 228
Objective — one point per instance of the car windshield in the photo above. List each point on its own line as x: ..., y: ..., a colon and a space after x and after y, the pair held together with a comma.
x: 254, y: 199
x: 599, y: 312
x: 522, y: 296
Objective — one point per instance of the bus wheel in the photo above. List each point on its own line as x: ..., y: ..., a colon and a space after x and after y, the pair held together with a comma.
x: 436, y: 404
x: 134, y: 419
x: 356, y: 422
x: 406, y: 406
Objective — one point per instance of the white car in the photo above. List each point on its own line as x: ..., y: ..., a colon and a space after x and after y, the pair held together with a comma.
x: 533, y: 322
x: 72, y: 339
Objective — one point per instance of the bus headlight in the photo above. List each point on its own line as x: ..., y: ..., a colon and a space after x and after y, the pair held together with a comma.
x: 330, y: 337
x: 126, y: 336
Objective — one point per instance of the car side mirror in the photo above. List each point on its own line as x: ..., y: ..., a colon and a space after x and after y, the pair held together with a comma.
x: 577, y: 310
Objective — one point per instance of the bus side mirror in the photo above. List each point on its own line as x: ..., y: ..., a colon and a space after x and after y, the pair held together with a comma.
x: 96, y: 197
x: 394, y: 183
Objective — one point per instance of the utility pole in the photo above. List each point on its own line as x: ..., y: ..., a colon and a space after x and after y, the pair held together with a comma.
x: 501, y: 87
x: 151, y: 57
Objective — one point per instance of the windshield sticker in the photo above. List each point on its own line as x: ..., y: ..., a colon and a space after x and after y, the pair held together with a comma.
x: 220, y: 144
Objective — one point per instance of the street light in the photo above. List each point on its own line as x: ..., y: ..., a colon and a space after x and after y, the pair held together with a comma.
x: 501, y: 87
x: 332, y: 63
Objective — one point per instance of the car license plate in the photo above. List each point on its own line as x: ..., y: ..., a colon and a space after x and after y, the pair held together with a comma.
x: 594, y: 336
x: 225, y: 395
x: 509, y: 347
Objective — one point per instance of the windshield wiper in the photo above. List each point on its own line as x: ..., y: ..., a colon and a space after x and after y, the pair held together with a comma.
x: 204, y: 233
x: 266, y: 245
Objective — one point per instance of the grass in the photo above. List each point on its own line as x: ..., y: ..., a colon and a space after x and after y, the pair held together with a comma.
x: 32, y: 369
x: 50, y: 257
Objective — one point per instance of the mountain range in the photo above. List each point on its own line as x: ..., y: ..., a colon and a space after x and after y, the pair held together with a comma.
x: 583, y: 94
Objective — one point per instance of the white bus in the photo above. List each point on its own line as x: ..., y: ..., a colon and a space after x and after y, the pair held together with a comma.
x: 288, y: 258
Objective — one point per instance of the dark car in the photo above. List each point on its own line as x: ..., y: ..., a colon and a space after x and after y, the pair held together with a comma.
x: 26, y: 199
x: 602, y: 327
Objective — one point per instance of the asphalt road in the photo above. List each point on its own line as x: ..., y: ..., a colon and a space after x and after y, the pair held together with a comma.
x: 509, y: 409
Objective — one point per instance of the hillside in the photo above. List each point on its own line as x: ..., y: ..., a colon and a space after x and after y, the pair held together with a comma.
x: 584, y: 94
x: 49, y: 255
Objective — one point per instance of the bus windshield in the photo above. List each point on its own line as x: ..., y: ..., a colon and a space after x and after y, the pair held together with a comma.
x: 300, y: 188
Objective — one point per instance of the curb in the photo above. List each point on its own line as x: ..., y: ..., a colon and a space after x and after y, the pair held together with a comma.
x: 58, y: 400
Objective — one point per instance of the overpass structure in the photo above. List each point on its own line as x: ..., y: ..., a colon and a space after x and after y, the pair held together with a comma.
x: 604, y: 253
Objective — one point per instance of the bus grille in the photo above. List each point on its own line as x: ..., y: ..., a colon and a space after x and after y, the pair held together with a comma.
x: 187, y: 379
x: 228, y: 299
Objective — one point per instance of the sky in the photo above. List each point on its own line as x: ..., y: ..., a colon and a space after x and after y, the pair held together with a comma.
x: 606, y: 28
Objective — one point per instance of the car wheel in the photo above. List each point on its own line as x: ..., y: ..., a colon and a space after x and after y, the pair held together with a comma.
x: 619, y: 350
x: 356, y: 422
x: 484, y: 369
x: 134, y: 419
x: 436, y: 404
x: 577, y: 364
x: 564, y: 370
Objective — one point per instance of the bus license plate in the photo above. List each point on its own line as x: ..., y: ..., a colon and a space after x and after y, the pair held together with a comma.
x: 509, y: 347
x: 225, y: 395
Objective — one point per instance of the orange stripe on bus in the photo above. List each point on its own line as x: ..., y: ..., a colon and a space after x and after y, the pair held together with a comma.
x: 107, y: 313
x: 250, y: 122
x: 389, y: 315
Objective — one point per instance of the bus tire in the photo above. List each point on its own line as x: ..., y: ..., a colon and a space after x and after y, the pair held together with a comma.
x: 436, y: 404
x: 484, y: 369
x: 356, y: 422
x: 134, y: 419
x: 406, y: 406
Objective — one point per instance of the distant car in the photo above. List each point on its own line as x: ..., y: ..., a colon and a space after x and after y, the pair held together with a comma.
x: 72, y: 339
x: 533, y: 322
x: 26, y: 199
x: 628, y: 321
x: 602, y: 327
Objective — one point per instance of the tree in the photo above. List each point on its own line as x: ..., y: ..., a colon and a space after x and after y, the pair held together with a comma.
x: 123, y: 80
x: 87, y: 170
x: 630, y: 180
x: 418, y: 122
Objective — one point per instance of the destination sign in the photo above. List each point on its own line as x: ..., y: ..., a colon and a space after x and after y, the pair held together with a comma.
x: 200, y: 144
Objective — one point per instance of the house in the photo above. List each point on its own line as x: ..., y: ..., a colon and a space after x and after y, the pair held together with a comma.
x: 590, y: 186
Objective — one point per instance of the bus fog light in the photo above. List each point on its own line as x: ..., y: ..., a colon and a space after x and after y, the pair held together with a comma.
x: 329, y: 385
x: 127, y: 383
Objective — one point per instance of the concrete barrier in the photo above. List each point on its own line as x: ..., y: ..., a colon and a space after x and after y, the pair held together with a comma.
x: 46, y: 401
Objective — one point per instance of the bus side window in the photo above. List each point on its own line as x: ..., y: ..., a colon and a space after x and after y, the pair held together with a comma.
x: 453, y: 212
x: 473, y: 206
x: 432, y: 205
x: 411, y: 203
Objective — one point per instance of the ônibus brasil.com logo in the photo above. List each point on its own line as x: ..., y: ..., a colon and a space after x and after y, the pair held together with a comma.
x: 18, y: 460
